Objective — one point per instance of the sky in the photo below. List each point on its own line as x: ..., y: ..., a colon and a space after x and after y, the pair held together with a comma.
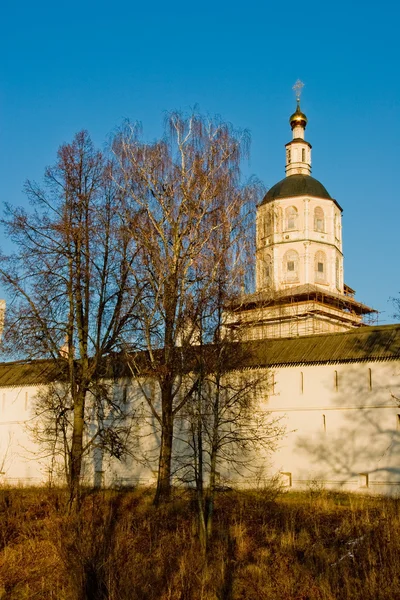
x: 67, y: 66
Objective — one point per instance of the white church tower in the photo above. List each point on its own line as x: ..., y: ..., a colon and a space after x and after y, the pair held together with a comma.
x: 299, y: 225
x: 300, y: 288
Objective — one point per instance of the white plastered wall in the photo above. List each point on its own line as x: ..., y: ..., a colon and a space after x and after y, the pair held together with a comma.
x: 342, y: 429
x: 343, y: 425
x: 24, y: 461
x: 19, y: 455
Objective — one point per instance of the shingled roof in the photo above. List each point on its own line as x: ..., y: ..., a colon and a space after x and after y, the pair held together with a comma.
x: 34, y: 372
x: 377, y: 343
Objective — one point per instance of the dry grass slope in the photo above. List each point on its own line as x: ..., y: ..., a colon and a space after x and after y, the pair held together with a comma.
x: 311, y: 546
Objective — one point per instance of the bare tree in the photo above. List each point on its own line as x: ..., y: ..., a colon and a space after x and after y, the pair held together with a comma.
x: 111, y: 427
x: 71, y: 283
x: 227, y: 428
x: 230, y: 432
x: 395, y: 300
x: 181, y: 189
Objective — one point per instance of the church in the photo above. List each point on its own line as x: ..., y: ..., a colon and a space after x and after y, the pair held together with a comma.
x: 334, y: 376
x: 300, y: 287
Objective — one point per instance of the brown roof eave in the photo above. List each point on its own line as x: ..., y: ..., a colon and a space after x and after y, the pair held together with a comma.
x: 326, y: 362
x: 310, y: 295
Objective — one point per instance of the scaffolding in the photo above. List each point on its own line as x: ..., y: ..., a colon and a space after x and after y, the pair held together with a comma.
x: 297, y: 311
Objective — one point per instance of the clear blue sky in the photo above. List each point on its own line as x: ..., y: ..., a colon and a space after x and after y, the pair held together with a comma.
x: 66, y: 66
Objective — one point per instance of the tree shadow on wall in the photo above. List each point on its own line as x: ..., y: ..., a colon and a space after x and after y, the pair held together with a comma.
x: 358, y: 442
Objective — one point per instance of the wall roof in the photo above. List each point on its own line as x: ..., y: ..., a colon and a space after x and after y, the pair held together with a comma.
x: 33, y: 372
x: 377, y: 343
x: 371, y: 344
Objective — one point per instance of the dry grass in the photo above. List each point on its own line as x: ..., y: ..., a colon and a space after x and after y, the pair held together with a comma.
x: 298, y: 547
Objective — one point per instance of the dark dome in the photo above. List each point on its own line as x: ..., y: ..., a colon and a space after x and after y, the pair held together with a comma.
x: 296, y: 185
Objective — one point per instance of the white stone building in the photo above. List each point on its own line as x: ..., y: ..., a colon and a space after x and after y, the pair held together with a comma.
x: 334, y: 380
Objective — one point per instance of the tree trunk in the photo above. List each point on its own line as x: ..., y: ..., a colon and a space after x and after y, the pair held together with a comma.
x: 200, y: 481
x: 76, y: 450
x: 213, y: 459
x: 163, y: 491
x: 211, y: 496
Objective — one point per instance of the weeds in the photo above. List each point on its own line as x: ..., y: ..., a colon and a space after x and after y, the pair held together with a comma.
x: 310, y: 546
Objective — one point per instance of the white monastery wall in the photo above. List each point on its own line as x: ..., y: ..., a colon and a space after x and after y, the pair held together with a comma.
x: 343, y: 424
x: 19, y: 455
x: 23, y: 461
x: 342, y: 430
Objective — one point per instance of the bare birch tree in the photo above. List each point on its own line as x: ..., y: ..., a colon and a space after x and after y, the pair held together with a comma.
x: 182, y: 189
x: 71, y: 281
x: 225, y: 426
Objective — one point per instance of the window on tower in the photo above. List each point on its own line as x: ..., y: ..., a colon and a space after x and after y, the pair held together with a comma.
x: 337, y: 226
x: 319, y: 219
x: 278, y: 219
x: 320, y: 267
x: 303, y: 155
x: 268, y: 224
x: 267, y: 271
x: 291, y: 217
x: 288, y: 155
x: 291, y: 266
x: 337, y: 273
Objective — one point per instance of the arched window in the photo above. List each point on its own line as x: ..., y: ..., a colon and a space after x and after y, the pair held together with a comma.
x: 320, y: 267
x: 337, y: 226
x: 291, y: 215
x: 268, y: 224
x: 291, y: 266
x: 303, y: 155
x: 278, y: 220
x: 319, y: 219
x: 337, y: 273
x: 288, y: 156
x: 267, y: 271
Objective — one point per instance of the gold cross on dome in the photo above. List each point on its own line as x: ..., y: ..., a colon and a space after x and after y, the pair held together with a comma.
x: 298, y: 86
